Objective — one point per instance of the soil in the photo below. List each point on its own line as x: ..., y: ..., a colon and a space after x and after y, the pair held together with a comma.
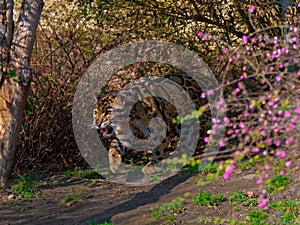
x: 102, y: 200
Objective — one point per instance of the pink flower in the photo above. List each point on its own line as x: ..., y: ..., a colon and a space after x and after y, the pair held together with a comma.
x: 222, y: 144
x: 278, y: 142
x: 268, y: 167
x: 226, y: 176
x: 281, y: 154
x: 210, y: 92
x: 287, y: 114
x: 282, y: 172
x: 245, y: 130
x: 288, y: 163
x: 203, y: 95
x: 247, y: 48
x: 199, y: 34
x: 262, y: 202
x: 278, y: 78
x: 297, y: 110
x: 245, y: 39
x: 262, y: 133
x: 260, y: 181
x: 246, y: 114
x: 206, y: 139
x: 252, y: 9
x: 289, y: 140
x: 266, y: 176
x: 256, y: 149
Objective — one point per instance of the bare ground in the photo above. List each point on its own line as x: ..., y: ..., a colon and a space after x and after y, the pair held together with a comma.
x: 102, y: 200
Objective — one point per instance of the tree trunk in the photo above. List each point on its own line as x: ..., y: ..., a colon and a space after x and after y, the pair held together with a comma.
x: 15, y: 80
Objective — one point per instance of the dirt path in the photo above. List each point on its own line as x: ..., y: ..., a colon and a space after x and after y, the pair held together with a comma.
x: 106, y: 201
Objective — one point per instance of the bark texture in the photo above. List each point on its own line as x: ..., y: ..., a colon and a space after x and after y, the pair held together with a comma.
x: 16, y: 76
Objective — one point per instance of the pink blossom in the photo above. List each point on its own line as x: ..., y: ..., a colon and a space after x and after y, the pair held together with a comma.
x: 246, y: 114
x: 252, y: 9
x: 262, y: 202
x: 266, y: 176
x: 277, y: 143
x: 206, y: 139
x: 203, y: 95
x: 281, y: 154
x: 247, y: 48
x: 260, y: 181
x: 210, y: 92
x: 268, y: 167
x: 228, y: 171
x: 282, y: 172
x: 245, y: 39
x: 226, y: 120
x: 222, y: 144
x: 289, y: 140
x: 199, y: 34
x: 229, y: 132
x: 279, y: 112
x: 205, y: 37
x: 241, y: 124
x: 226, y: 176
x: 287, y: 114
x: 297, y: 110
x: 288, y: 163
x: 278, y: 78
x: 245, y: 130
x: 256, y: 149
x: 262, y: 133
x: 269, y: 141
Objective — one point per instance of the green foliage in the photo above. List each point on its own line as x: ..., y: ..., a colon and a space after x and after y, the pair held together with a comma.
x: 89, y: 222
x: 278, y: 183
x: 79, y: 172
x: 166, y: 210
x: 240, y: 197
x: 288, y: 218
x: 206, y: 199
x: 283, y: 206
x: 71, y: 198
x: 12, y: 74
x: 256, y: 217
x: 26, y: 187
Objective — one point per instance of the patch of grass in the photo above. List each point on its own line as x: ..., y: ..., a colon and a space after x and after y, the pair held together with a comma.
x: 89, y: 222
x: 206, y: 199
x: 79, y: 172
x: 247, y: 165
x: 278, y: 183
x: 26, y: 187
x: 288, y: 218
x: 168, y: 209
x: 283, y: 206
x: 70, y: 198
x: 240, y: 197
x: 256, y: 217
